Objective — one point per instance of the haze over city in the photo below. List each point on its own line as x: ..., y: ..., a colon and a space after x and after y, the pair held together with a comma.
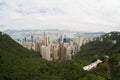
x: 80, y: 15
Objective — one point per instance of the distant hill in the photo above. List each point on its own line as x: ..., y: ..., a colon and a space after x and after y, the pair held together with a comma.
x: 105, y: 44
x: 92, y: 33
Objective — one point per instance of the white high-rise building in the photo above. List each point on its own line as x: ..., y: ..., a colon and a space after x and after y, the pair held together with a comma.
x: 46, y: 53
x: 68, y: 53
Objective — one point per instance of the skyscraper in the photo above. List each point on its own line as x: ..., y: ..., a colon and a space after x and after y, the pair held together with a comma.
x: 25, y: 39
x: 65, y: 40
x: 37, y: 45
x: 32, y: 39
x: 60, y: 38
x: 62, y: 52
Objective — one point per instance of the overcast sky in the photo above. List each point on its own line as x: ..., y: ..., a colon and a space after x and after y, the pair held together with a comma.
x: 80, y: 15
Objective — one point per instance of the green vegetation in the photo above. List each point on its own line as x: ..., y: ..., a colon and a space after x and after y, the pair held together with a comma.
x: 101, y: 46
x: 18, y: 63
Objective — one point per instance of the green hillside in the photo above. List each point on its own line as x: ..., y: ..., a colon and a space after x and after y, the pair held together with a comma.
x: 101, y: 46
x: 11, y: 54
x: 108, y: 44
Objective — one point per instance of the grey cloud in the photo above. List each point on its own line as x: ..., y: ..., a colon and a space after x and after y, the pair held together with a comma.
x: 3, y: 5
x: 39, y: 11
x: 33, y: 10
x: 1, y: 25
x: 78, y: 13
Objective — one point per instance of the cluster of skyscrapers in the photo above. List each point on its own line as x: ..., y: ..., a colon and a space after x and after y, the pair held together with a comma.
x: 63, y: 48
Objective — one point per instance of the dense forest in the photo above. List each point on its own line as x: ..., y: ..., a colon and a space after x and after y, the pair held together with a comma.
x: 19, y: 63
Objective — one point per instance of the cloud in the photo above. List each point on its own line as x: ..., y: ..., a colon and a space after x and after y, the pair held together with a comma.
x: 83, y: 15
x: 2, y: 4
x: 2, y: 25
x: 42, y: 11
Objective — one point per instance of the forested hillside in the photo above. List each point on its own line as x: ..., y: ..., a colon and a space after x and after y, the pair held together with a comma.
x: 108, y: 44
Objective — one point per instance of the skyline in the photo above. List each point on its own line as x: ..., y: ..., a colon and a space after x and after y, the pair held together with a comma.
x: 76, y: 15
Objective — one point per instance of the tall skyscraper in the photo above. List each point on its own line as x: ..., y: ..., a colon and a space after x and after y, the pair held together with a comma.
x: 25, y: 39
x: 54, y: 51
x: 45, y: 51
x: 62, y: 52
x: 37, y: 45
x: 60, y: 38
x: 68, y: 53
x: 32, y: 39
x: 46, y: 43
x: 65, y: 40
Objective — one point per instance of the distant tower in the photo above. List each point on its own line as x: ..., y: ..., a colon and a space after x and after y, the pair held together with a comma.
x: 62, y: 52
x: 37, y: 44
x: 60, y: 37
x: 25, y: 39
x: 64, y: 39
x: 48, y: 39
x: 32, y: 38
